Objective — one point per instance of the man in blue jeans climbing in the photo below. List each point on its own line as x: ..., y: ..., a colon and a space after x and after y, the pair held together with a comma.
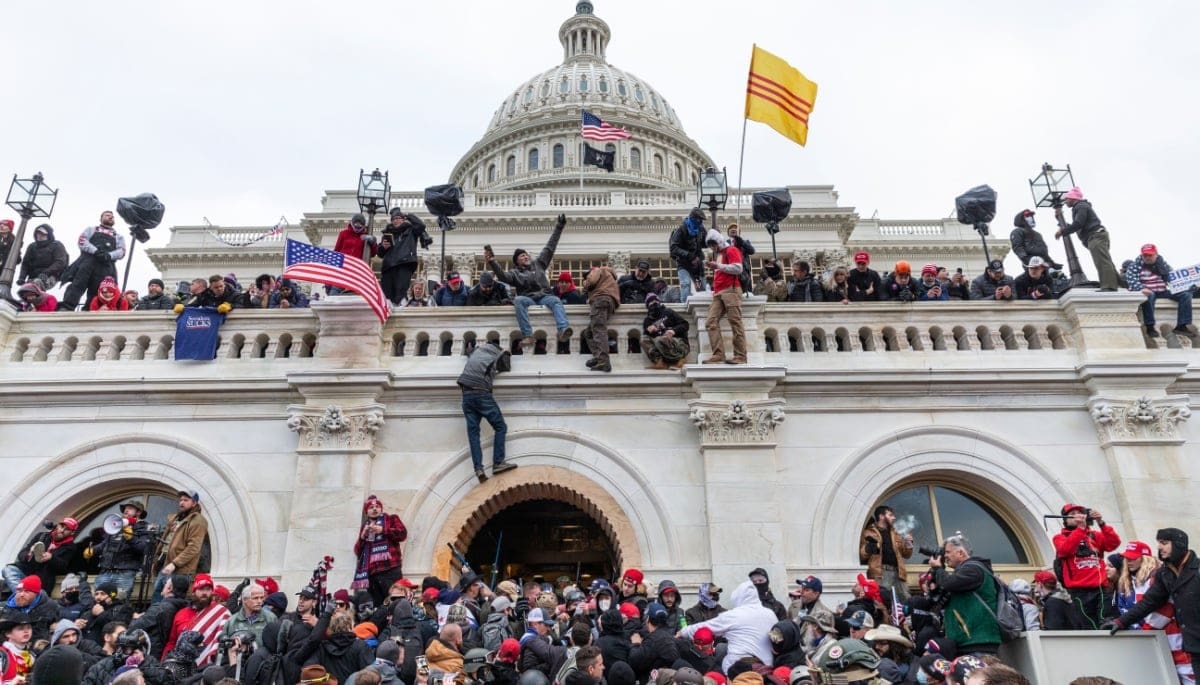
x: 530, y: 285
x: 478, y: 403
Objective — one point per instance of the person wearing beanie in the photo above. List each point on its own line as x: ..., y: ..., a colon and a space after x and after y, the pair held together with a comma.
x: 398, y: 248
x: 930, y: 287
x: 156, y: 297
x: 745, y: 627
x: 1080, y: 549
x: 665, y: 344
x: 630, y: 586
x: 488, y: 293
x: 686, y: 246
x: 1092, y: 234
x: 108, y: 298
x: 100, y: 248
x: 288, y: 296
x: 603, y: 299
x: 527, y: 277
x: 45, y: 259
x: 379, y: 561
x: 762, y: 583
x: 1027, y: 242
x: 59, y: 665
x: 726, y: 301
x: 566, y: 291
x: 356, y: 242
x: 1176, y: 581
x: 899, y: 285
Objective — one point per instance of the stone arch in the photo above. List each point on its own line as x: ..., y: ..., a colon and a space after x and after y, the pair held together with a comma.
x: 59, y: 486
x: 555, y: 464
x: 1017, y: 481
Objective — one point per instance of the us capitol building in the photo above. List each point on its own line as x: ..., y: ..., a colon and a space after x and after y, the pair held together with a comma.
x: 965, y: 416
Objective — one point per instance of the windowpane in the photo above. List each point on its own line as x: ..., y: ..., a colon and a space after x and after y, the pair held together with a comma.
x: 510, y: 165
x: 533, y: 159
x: 558, y: 156
x: 990, y: 536
x: 635, y: 159
x: 914, y: 514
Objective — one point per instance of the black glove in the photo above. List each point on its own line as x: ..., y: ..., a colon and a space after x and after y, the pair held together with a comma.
x: 1113, y: 627
x: 102, y: 257
x: 562, y: 221
x: 872, y: 547
x: 426, y: 241
x: 521, y: 608
x: 370, y: 240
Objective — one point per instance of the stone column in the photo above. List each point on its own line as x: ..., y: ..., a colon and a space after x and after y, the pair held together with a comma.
x: 736, y: 419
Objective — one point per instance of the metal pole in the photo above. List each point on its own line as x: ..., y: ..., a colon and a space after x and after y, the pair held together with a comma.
x: 366, y: 252
x: 128, y: 262
x: 741, y: 158
x: 8, y: 274
x: 1073, y: 266
x: 774, y: 254
x: 987, y: 258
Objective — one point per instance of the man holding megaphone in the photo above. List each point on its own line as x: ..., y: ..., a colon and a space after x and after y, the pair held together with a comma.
x: 122, y: 551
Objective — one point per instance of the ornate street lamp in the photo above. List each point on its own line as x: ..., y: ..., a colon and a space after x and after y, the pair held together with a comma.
x: 29, y: 197
x: 713, y: 191
x: 1048, y: 188
x: 374, y: 193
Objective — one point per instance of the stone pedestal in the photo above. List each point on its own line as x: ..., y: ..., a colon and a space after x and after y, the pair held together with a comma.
x: 752, y: 308
x: 350, y: 335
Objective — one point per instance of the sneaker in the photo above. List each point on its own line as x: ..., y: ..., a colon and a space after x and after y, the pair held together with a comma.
x: 1151, y: 332
x: 715, y: 359
x: 565, y: 334
x: 528, y: 342
x: 737, y: 360
x: 503, y: 466
x: 592, y: 362
x: 603, y: 366
x: 1182, y: 329
x: 481, y: 475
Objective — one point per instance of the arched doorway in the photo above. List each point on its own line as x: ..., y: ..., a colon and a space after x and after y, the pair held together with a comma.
x: 543, y: 539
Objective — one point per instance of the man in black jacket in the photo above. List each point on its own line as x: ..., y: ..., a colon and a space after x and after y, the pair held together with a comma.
x: 1035, y: 283
x: 488, y: 293
x: 865, y: 283
x: 478, y: 403
x: 100, y: 247
x: 155, y: 297
x: 687, y: 251
x: 1093, y: 235
x: 666, y: 341
x: 528, y: 279
x: 45, y: 259
x: 637, y: 285
x: 109, y: 608
x: 398, y: 249
x: 47, y: 555
x: 121, y: 555
x: 1176, y: 581
x: 1027, y: 242
x: 658, y: 648
x: 803, y: 287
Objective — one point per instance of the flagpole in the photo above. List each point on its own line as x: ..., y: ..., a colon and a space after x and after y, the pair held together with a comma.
x: 741, y: 158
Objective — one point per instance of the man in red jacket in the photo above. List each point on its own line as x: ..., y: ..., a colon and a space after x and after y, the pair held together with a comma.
x: 726, y: 300
x: 1080, y: 554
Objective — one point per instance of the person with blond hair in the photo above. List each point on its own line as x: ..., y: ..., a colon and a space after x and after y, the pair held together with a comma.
x: 333, y: 645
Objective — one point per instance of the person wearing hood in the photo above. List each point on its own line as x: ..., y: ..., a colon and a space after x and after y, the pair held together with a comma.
x: 398, y: 248
x: 160, y: 616
x: 1092, y: 234
x: 333, y: 645
x: 45, y: 259
x: 666, y: 343
x: 727, y: 300
x: 1027, y: 242
x: 668, y: 596
x: 59, y: 665
x: 108, y: 298
x: 1176, y: 581
x: 156, y: 297
x: 387, y: 658
x: 100, y: 247
x: 613, y: 643
x: 288, y: 296
x: 1080, y: 550
x: 527, y: 277
x: 786, y: 645
x: 1029, y: 608
x: 488, y: 293
x: 686, y: 246
x: 356, y: 242
x: 707, y: 607
x: 261, y: 668
x: 34, y: 299
x: 565, y: 290
x: 404, y: 630
x: 658, y: 648
x: 498, y: 626
x: 762, y: 583
x: 745, y: 627
x: 603, y: 299
x: 971, y: 589
x: 377, y: 550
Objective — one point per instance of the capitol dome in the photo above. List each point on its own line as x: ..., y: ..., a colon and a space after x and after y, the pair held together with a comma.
x: 534, y: 139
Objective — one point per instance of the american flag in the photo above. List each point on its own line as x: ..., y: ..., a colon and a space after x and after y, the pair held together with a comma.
x: 304, y: 262
x: 594, y: 128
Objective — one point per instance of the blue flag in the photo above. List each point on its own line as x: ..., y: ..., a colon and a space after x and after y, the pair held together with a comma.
x: 196, y: 333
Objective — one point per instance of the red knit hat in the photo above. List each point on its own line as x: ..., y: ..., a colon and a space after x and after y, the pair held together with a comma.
x: 716, y: 677
x: 1046, y: 578
x: 222, y: 593
x: 30, y: 584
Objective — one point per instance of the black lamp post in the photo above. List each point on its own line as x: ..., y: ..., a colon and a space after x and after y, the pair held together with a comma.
x: 29, y: 197
x: 374, y: 193
x: 713, y: 191
x: 1048, y: 188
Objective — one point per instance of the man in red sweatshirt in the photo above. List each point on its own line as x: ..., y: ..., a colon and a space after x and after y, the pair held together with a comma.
x: 727, y: 300
x: 1080, y: 554
x: 354, y: 242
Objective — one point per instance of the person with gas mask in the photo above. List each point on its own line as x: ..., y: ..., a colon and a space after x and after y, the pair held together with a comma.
x: 1027, y: 242
x: 1174, y: 582
x: 1080, y: 551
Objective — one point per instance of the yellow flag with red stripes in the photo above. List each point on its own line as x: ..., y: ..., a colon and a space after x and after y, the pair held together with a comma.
x: 778, y: 95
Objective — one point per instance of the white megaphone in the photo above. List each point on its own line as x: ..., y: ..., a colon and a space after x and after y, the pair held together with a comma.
x: 113, y: 523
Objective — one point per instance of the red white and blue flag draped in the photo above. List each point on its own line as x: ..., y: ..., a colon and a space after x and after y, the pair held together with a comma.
x: 304, y: 262
x: 275, y: 230
x: 594, y: 128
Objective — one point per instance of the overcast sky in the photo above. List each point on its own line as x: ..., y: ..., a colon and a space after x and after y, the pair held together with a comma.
x: 243, y: 111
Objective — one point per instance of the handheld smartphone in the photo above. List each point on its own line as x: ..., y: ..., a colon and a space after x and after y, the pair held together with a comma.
x: 422, y: 665
x: 487, y: 252
x: 959, y: 270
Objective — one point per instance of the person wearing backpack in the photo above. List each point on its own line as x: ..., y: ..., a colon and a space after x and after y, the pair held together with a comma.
x: 969, y: 616
x: 1079, y: 563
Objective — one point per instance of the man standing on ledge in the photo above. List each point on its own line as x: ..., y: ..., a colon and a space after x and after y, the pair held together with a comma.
x: 377, y: 550
x: 528, y: 279
x: 184, y: 538
x: 478, y: 403
x: 1093, y: 235
x: 727, y: 300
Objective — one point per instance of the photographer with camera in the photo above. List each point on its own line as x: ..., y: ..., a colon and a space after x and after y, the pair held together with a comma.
x: 883, y: 550
x: 1035, y: 283
x: 398, y: 248
x: 970, y: 592
x: 132, y: 650
x: 1080, y: 562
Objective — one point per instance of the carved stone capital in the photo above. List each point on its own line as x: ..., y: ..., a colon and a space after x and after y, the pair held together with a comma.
x: 334, y: 429
x: 737, y: 423
x: 464, y: 264
x: 1140, y: 421
x: 619, y: 261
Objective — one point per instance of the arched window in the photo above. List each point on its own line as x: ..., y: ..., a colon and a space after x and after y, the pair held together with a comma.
x: 533, y: 159
x: 545, y: 88
x: 621, y: 89
x: 491, y: 173
x: 558, y: 156
x: 475, y: 181
x: 529, y: 95
x: 658, y: 164
x: 565, y: 86
x: 678, y: 171
x: 583, y: 84
x: 603, y: 85
x: 638, y: 94
x: 510, y: 166
x: 654, y: 101
x: 159, y: 503
x: 635, y: 159
x: 933, y: 511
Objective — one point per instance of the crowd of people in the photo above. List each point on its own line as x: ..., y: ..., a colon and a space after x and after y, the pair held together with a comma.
x: 386, y: 628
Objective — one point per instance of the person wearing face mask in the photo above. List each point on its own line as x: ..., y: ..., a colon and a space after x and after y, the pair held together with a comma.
x: 1177, y: 581
x: 603, y: 593
x: 666, y: 342
x: 1027, y: 242
x: 709, y: 606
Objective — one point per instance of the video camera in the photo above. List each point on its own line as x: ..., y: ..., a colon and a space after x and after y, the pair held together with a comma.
x: 243, y: 639
x: 132, y: 641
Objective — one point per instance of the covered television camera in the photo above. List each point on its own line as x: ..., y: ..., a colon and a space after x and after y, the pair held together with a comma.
x: 771, y: 206
x: 142, y: 213
x: 977, y: 207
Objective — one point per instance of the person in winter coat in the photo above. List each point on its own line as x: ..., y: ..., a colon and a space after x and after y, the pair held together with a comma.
x: 745, y: 627
x: 1092, y: 233
x: 47, y: 555
x: 1035, y: 283
x: 603, y: 298
x: 734, y: 237
x: 884, y: 550
x: 288, y: 296
x: 453, y: 293
x: 100, y: 247
x: 75, y: 598
x: 700, y: 652
x: 1029, y: 608
x: 60, y: 665
x: 565, y: 290
x: 804, y: 287
x: 1176, y: 582
x: 899, y: 286
x: 34, y: 299
x: 387, y: 658
x: 45, y: 259
x: 1150, y: 274
x: 398, y: 248
x: 707, y: 607
x: 355, y: 242
x: 35, y: 606
x: 971, y: 590
x: 377, y: 550
x: 658, y: 648
x: 528, y: 280
x: 686, y: 246
x: 837, y: 287
x: 1080, y: 550
x: 992, y: 284
x: 786, y: 645
x: 538, y: 651
x: 333, y: 645
x: 762, y: 583
x: 108, y: 298
x: 1027, y: 242
x: 865, y: 283
x: 158, y: 619
x: 108, y: 608
x: 185, y: 532
x: 484, y: 363
x: 498, y: 627
x: 930, y: 287
x: 668, y: 596
x: 637, y: 285
x: 7, y: 241
x: 488, y: 293
x: 665, y: 344
x: 1054, y: 600
x: 156, y: 298
x: 613, y: 643
x: 417, y: 296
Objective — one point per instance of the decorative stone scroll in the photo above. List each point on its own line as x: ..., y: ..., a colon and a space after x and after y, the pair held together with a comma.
x: 619, y: 261
x: 738, y: 423
x: 1140, y: 420
x: 335, y: 429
